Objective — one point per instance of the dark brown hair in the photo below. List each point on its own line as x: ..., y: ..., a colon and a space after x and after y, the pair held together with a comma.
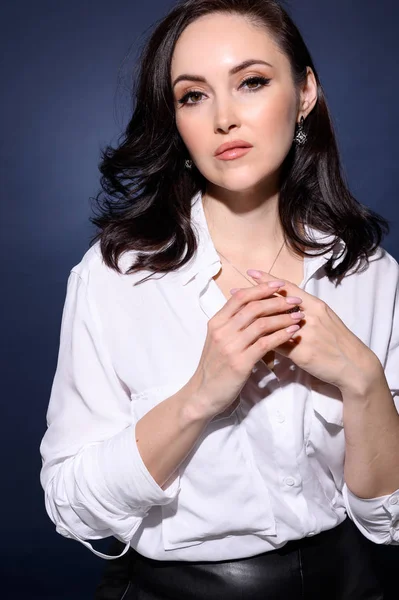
x: 145, y: 201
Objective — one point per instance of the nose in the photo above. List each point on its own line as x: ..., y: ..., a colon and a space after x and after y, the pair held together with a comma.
x: 225, y: 118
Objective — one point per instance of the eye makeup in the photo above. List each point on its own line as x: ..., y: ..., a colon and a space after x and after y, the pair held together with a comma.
x: 258, y: 80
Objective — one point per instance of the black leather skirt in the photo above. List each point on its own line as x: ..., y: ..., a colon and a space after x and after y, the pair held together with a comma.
x: 334, y: 565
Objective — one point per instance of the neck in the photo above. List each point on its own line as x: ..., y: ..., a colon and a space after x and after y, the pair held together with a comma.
x: 241, y: 226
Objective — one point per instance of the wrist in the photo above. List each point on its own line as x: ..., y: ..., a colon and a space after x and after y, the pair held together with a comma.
x: 195, y: 407
x: 362, y: 379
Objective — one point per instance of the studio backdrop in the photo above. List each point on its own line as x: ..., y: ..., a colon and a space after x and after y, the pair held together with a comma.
x: 66, y: 70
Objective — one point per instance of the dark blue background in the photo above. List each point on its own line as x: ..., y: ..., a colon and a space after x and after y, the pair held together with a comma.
x: 65, y: 93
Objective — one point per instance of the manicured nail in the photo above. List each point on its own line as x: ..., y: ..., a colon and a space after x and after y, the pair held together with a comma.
x: 234, y: 290
x: 275, y: 284
x: 297, y: 315
x: 292, y: 328
x: 254, y: 274
x: 293, y: 300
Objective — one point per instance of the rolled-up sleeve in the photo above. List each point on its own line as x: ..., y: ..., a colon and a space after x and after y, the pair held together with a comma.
x: 378, y: 518
x: 94, y: 480
x: 391, y: 363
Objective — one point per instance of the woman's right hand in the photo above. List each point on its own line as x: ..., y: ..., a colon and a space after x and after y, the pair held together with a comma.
x: 250, y: 324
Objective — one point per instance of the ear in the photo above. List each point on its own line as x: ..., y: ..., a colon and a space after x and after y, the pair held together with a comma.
x: 308, y: 94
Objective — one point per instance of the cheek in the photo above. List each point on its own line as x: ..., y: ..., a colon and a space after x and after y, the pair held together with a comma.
x: 188, y: 130
x: 274, y: 123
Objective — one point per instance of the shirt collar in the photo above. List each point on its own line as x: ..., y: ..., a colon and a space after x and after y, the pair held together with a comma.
x: 206, y: 255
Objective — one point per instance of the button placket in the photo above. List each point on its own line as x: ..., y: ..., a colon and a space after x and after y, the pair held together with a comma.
x: 211, y: 298
x: 280, y: 417
x: 290, y: 481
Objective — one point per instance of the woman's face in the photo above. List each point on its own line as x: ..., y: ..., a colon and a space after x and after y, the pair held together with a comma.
x: 254, y: 102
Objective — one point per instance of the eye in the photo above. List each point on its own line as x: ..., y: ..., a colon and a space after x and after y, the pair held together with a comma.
x: 256, y: 81
x: 195, y: 96
x: 189, y: 96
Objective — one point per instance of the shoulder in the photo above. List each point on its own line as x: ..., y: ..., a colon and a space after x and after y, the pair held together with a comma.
x: 376, y: 278
x: 92, y: 268
x: 90, y: 262
x: 382, y: 264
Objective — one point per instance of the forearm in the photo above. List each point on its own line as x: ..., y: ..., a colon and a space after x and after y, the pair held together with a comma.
x: 166, y: 434
x: 371, y: 427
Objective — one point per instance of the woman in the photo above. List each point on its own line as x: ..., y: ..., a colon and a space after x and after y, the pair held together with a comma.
x: 232, y: 333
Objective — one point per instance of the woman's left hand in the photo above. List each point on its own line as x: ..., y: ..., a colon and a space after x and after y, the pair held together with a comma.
x: 324, y: 346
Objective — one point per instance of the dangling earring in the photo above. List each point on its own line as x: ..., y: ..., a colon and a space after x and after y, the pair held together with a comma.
x: 300, y: 135
x: 188, y: 164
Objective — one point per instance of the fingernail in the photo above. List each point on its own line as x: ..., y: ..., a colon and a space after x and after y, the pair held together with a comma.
x: 292, y: 328
x: 297, y: 315
x: 234, y: 290
x: 253, y: 273
x: 275, y: 284
x: 293, y: 300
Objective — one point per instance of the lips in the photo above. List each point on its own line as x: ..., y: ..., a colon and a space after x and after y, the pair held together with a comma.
x: 232, y: 145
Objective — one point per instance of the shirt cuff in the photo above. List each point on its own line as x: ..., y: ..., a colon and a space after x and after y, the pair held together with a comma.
x: 127, y: 478
x: 376, y: 518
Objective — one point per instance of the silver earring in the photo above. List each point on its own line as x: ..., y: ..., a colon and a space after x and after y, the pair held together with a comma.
x: 300, y: 135
x: 188, y: 164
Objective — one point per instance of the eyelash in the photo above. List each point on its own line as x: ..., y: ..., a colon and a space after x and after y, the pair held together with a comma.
x: 263, y: 81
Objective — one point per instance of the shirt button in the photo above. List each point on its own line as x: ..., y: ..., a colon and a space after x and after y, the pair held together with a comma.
x: 393, y: 500
x: 311, y: 533
x: 280, y: 417
x: 289, y: 481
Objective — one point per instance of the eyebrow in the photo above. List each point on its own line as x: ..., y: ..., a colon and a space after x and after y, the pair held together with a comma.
x: 233, y: 71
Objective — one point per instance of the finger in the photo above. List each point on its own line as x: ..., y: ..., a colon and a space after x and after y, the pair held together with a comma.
x: 244, y: 295
x: 266, y: 326
x: 267, y: 343
x: 252, y: 303
x: 291, y: 288
x: 265, y: 307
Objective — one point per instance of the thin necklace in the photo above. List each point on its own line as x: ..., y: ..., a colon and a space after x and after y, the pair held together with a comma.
x: 240, y: 272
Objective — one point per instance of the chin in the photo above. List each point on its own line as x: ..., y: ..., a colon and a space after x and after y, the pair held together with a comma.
x: 236, y: 182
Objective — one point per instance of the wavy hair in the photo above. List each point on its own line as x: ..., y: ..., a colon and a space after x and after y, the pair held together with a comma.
x: 145, y: 199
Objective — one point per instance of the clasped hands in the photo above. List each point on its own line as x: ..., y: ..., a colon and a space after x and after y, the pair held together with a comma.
x: 324, y: 346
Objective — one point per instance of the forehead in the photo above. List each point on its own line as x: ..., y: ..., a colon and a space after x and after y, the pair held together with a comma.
x: 222, y: 41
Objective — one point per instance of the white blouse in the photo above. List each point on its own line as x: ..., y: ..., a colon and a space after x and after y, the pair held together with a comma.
x: 267, y: 471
